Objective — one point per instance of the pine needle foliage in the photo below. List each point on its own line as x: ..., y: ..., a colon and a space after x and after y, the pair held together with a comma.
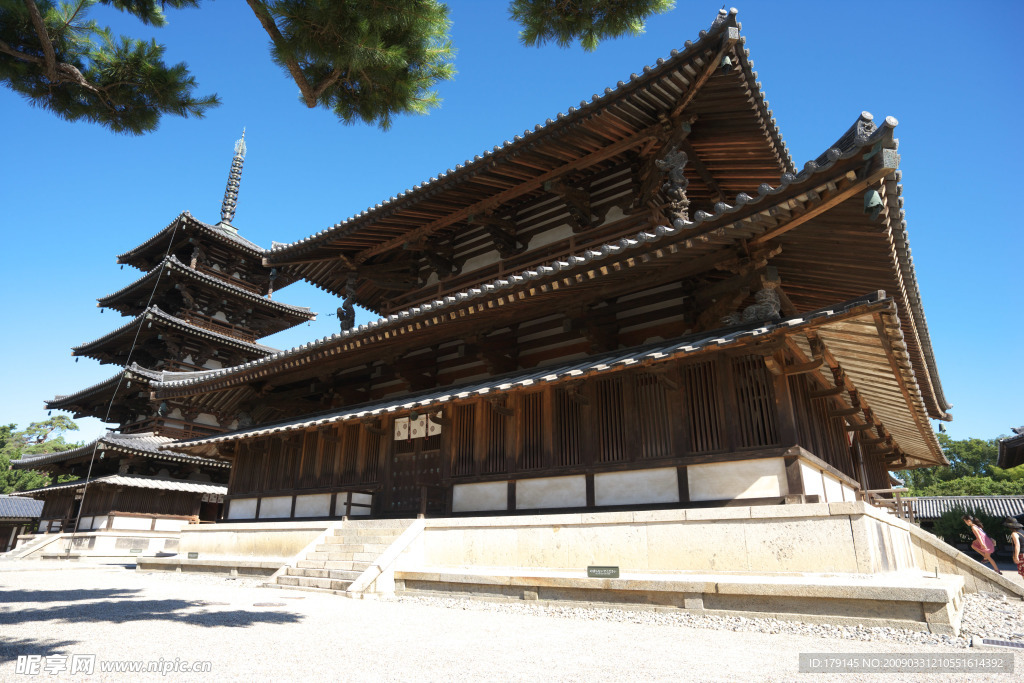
x: 365, y: 60
x: 588, y: 21
x: 62, y: 61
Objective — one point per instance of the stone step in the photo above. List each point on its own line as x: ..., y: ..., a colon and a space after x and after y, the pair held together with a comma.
x: 360, y: 538
x: 341, y: 557
x: 399, y: 524
x: 311, y: 564
x: 324, y: 573
x: 309, y: 582
x: 352, y: 548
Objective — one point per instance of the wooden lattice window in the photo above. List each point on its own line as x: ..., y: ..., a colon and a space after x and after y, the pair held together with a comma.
x: 755, y: 399
x: 463, y: 431
x: 496, y: 433
x: 610, y: 420
x: 702, y: 406
x: 653, y: 418
x: 531, y: 431
x: 568, y: 429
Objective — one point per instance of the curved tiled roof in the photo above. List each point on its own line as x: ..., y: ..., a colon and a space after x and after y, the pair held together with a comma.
x: 19, y: 508
x: 171, y: 262
x: 139, y: 482
x: 228, y: 237
x: 933, y: 507
x: 154, y: 313
x: 145, y: 444
x: 134, y: 372
x: 725, y: 21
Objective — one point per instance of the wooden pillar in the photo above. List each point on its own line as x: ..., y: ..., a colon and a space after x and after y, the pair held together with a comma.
x: 785, y: 412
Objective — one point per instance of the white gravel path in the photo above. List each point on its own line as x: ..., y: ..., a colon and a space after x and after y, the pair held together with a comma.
x: 255, y: 634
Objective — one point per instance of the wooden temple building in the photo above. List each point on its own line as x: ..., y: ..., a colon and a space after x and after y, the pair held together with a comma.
x: 639, y: 303
x: 203, y: 302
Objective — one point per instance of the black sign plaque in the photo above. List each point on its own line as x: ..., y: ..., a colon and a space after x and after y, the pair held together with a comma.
x: 193, y: 556
x: 603, y: 572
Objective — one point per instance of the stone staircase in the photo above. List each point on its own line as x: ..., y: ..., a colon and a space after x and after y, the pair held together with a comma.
x: 28, y: 547
x: 334, y: 564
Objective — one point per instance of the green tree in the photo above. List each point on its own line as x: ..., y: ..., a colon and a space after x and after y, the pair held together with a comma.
x: 365, y: 60
x: 967, y: 458
x: 39, y: 437
x: 588, y: 21
x: 951, y: 528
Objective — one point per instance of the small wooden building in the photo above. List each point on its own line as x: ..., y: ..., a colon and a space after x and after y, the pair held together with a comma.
x: 17, y: 516
x: 1011, y: 449
x: 640, y: 303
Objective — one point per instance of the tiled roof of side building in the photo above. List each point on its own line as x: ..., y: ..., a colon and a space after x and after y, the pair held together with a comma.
x: 12, y: 507
x: 703, y: 228
x: 144, y: 444
x: 171, y: 262
x: 933, y: 507
x: 906, y: 419
x: 138, y: 482
x: 724, y: 22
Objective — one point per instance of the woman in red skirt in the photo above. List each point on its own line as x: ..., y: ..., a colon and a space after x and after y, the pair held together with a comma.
x: 982, y: 543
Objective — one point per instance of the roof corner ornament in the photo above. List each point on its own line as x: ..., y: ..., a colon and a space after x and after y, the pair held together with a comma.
x: 227, y: 207
x: 346, y: 312
x: 675, y: 185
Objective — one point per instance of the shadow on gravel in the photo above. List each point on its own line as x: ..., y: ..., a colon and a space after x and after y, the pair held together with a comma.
x: 126, y: 611
x: 74, y: 595
x: 10, y: 649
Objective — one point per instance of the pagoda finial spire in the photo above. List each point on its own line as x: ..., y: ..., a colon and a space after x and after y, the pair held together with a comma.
x: 227, y: 207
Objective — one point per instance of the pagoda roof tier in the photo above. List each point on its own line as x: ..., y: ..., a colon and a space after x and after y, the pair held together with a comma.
x: 842, y: 258
x: 184, y: 229
x: 132, y: 300
x: 875, y: 366
x: 216, y: 491
x: 130, y: 388
x: 144, y: 445
x: 643, y: 115
x: 115, y: 346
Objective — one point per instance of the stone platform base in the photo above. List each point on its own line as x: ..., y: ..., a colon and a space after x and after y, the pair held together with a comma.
x: 903, y: 600
x: 233, y: 566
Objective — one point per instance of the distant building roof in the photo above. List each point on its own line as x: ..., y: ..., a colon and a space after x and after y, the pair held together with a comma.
x: 1011, y: 449
x: 20, y: 508
x: 932, y: 507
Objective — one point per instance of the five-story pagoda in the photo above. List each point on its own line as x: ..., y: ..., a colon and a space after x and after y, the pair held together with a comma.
x: 204, y: 301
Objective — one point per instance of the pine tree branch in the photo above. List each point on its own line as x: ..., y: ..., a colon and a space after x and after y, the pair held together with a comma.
x: 331, y: 80
x: 44, y: 39
x: 267, y: 20
x: 5, y: 48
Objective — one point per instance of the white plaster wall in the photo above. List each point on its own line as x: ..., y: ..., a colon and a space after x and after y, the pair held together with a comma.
x: 743, y: 479
x: 143, y: 523
x: 813, y: 486
x: 833, y: 489
x: 169, y: 524
x: 313, y: 505
x: 86, y: 523
x: 561, y: 232
x: 491, y: 495
x: 276, y: 507
x: 849, y: 495
x: 551, y: 492
x: 485, y: 259
x: 362, y: 498
x: 242, y: 508
x: 206, y: 419
x: 637, y: 488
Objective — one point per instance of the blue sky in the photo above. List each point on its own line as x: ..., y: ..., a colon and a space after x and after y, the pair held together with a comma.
x: 74, y: 195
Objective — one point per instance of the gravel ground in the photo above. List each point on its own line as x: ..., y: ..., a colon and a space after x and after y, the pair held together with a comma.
x: 254, y: 634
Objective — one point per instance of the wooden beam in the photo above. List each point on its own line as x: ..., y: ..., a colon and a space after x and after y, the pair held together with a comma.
x: 885, y: 165
x: 702, y: 171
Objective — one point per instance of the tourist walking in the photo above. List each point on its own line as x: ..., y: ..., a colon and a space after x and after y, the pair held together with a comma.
x: 1017, y: 539
x: 982, y: 543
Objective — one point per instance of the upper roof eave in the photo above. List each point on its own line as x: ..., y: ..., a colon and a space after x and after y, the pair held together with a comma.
x: 227, y: 237
x: 172, y: 262
x: 865, y: 134
x: 725, y: 21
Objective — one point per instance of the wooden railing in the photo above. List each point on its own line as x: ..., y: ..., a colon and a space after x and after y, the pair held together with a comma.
x: 895, y: 502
